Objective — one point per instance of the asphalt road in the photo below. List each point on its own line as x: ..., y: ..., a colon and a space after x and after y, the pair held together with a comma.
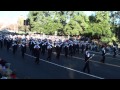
x: 65, y: 68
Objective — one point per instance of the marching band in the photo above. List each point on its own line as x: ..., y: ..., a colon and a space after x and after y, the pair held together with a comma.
x: 39, y: 46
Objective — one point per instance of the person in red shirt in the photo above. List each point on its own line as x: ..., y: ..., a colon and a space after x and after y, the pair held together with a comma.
x: 13, y: 75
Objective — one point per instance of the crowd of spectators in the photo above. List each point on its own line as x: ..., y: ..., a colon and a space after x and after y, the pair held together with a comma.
x: 5, y: 70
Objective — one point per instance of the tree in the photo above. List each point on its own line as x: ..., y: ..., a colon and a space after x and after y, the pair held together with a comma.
x: 47, y: 21
x: 115, y: 23
x: 72, y: 25
x: 101, y: 25
x: 103, y: 20
x: 20, y: 23
x: 73, y: 28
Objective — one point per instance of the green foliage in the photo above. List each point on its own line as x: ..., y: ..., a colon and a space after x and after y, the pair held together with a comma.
x: 99, y: 25
x: 105, y: 40
x: 73, y: 28
x: 102, y: 24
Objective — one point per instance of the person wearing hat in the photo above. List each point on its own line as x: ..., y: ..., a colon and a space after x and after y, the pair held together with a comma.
x: 82, y: 47
x: 32, y: 46
x: 14, y: 45
x: 23, y: 49
x: 66, y: 47
x: 1, y: 42
x: 8, y: 42
x: 5, y: 41
x: 37, y: 53
x: 115, y: 51
x: 57, y: 51
x: 103, y: 54
x: 87, y: 57
x: 77, y: 47
x: 61, y: 45
x: 16, y: 41
x: 71, y: 49
x: 49, y: 49
x: 43, y: 48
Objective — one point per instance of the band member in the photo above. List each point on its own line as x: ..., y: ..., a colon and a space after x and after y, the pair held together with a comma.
x: 43, y: 49
x: 87, y: 57
x: 14, y: 45
x: 115, y: 51
x: 61, y: 46
x: 23, y: 49
x: 74, y: 48
x: 83, y: 47
x: 30, y: 45
x: 77, y: 48
x: 37, y: 53
x: 71, y: 49
x: 5, y: 41
x: 103, y: 54
x: 8, y: 42
x: 66, y: 48
x: 1, y: 42
x: 57, y: 51
x: 49, y: 49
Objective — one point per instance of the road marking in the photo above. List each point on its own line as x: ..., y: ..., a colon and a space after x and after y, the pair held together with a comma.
x: 94, y: 53
x: 66, y: 67
x: 90, y: 60
x: 110, y: 57
x: 97, y: 55
x: 108, y: 54
x: 96, y: 61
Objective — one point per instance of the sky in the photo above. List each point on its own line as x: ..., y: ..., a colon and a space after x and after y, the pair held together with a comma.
x: 9, y: 17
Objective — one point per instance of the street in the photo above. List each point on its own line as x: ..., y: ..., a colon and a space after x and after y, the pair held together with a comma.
x: 65, y: 68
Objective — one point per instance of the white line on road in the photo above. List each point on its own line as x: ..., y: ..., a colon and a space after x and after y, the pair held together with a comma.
x: 108, y: 54
x: 67, y: 67
x: 110, y: 57
x: 97, y: 62
x: 90, y: 60
x: 97, y: 55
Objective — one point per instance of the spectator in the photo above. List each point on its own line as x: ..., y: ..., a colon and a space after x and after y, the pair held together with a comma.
x: 8, y: 71
x: 0, y: 75
x: 0, y: 68
x: 8, y: 65
x: 3, y: 70
x: 2, y: 62
x: 4, y: 76
x: 13, y: 75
